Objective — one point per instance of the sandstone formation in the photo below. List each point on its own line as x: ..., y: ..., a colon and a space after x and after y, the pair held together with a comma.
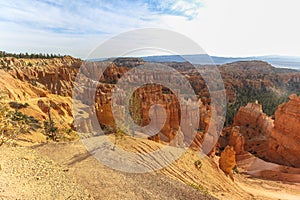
x: 236, y: 140
x: 41, y: 84
x: 227, y: 161
x: 285, y: 139
x: 176, y: 128
x: 258, y: 75
x: 182, y: 122
x: 255, y: 127
x: 37, y: 81
x: 276, y: 141
x: 41, y: 76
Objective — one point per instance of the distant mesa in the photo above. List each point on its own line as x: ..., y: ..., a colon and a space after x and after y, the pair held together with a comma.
x: 128, y: 62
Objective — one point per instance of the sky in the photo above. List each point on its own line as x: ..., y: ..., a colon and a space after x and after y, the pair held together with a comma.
x: 221, y: 27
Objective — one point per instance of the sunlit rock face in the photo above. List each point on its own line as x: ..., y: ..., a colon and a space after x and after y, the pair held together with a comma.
x: 227, y: 161
x: 174, y: 121
x: 237, y: 140
x: 255, y: 127
x: 53, y: 75
x: 43, y: 85
x: 284, y: 141
x: 276, y: 141
x: 36, y: 80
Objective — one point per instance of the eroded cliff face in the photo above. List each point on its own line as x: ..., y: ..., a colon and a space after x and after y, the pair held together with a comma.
x: 40, y: 76
x: 257, y: 75
x: 41, y: 84
x: 284, y: 141
x: 255, y: 126
x: 49, y: 82
x: 174, y: 121
x: 178, y: 121
x: 276, y: 141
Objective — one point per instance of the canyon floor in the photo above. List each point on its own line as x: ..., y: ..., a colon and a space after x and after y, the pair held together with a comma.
x: 68, y: 171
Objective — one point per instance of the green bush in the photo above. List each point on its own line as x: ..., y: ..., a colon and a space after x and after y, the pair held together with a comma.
x: 17, y: 105
x: 12, y: 123
x: 198, y: 164
x: 51, y: 131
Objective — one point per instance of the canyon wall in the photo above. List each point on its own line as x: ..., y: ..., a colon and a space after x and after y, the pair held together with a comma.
x: 41, y: 76
x: 276, y: 141
x: 285, y: 137
x: 36, y: 81
x: 41, y: 84
x: 179, y: 123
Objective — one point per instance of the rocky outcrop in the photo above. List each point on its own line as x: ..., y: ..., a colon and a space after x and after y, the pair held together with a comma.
x: 255, y: 127
x: 55, y: 75
x: 227, y: 161
x: 284, y: 143
x: 39, y: 79
x: 153, y: 104
x: 231, y: 136
x: 145, y: 112
x: 41, y: 84
x: 236, y: 140
x: 257, y: 75
x: 276, y: 141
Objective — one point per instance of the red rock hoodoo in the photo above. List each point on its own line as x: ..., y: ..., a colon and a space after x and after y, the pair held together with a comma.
x: 276, y: 141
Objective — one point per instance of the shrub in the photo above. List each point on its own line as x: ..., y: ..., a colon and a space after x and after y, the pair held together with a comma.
x: 11, y: 123
x: 51, y: 131
x: 17, y: 105
x: 236, y: 170
x: 198, y: 164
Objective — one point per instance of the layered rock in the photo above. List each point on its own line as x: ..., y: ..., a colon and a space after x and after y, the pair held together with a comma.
x: 236, y: 140
x: 55, y: 75
x: 231, y: 136
x: 36, y: 79
x: 173, y: 121
x: 255, y: 127
x: 257, y: 75
x: 284, y: 143
x: 41, y: 84
x: 276, y: 141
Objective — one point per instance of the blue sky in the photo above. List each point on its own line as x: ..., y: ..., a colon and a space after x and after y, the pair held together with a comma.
x: 221, y: 27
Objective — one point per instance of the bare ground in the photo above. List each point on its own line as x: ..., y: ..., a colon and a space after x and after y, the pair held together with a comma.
x: 68, y: 171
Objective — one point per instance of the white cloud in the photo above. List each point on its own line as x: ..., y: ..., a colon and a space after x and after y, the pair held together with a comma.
x: 71, y: 28
x: 229, y: 28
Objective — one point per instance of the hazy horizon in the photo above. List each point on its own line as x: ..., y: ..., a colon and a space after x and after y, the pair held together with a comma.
x: 281, y: 61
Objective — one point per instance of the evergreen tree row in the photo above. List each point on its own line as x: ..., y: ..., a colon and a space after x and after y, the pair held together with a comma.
x: 31, y: 55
